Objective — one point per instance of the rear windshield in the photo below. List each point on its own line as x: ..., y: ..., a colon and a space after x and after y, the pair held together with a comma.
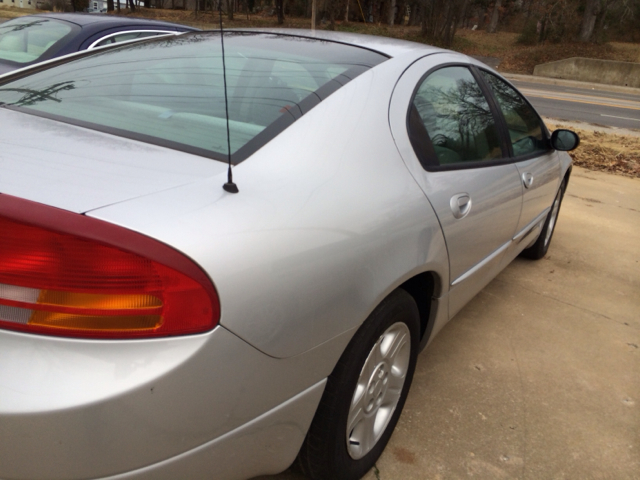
x: 25, y: 40
x: 171, y: 91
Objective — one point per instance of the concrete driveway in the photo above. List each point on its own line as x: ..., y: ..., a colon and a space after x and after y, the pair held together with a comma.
x: 539, y: 376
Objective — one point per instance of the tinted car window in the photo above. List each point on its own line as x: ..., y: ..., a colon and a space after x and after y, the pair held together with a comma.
x: 524, y: 125
x: 25, y: 40
x: 171, y: 91
x: 456, y: 117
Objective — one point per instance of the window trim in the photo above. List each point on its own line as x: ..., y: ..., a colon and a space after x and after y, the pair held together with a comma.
x: 428, y: 159
x: 124, y: 32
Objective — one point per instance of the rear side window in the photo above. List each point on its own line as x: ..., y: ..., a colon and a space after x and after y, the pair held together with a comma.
x: 455, y: 115
x: 523, y: 123
x: 25, y: 40
x: 170, y: 91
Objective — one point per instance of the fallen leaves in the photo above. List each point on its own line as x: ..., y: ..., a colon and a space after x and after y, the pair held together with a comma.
x: 607, y: 152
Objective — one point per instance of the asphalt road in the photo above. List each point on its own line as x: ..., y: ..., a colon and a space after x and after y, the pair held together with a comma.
x: 597, y: 106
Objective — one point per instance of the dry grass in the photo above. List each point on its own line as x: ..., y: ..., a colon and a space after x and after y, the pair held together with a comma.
x: 474, y: 42
x: 13, y: 12
x: 630, y: 50
x: 608, y: 152
x: 523, y: 59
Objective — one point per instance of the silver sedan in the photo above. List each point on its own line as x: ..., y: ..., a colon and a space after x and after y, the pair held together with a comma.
x: 214, y: 263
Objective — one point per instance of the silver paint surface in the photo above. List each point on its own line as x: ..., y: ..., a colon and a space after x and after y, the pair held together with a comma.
x: 324, y: 227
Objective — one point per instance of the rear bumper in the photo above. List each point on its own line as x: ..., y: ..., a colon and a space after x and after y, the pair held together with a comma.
x: 264, y: 446
x: 207, y: 406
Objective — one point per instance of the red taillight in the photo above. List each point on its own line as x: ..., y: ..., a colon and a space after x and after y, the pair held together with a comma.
x: 70, y: 275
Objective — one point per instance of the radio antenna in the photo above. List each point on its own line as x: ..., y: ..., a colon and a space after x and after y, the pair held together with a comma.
x: 229, y: 186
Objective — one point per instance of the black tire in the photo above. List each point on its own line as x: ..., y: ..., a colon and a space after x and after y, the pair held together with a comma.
x: 540, y: 248
x: 329, y: 451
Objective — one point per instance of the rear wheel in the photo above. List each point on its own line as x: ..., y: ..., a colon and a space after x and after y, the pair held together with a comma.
x: 365, y: 394
x: 541, y: 246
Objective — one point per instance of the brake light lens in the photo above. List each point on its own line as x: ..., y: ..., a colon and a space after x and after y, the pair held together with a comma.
x: 70, y: 275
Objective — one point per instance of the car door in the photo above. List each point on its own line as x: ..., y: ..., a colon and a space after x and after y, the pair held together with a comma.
x: 448, y: 135
x: 537, y: 163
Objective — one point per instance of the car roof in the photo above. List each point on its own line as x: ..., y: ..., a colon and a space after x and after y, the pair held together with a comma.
x: 102, y: 20
x: 392, y: 47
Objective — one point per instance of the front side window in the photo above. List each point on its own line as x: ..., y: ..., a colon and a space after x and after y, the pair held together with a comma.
x: 456, y: 117
x: 24, y: 40
x: 523, y: 123
x: 170, y: 91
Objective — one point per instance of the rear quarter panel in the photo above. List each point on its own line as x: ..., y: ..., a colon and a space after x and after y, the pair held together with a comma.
x: 328, y: 222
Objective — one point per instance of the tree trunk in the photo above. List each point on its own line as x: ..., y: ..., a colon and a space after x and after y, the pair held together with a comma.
x: 463, y: 19
x: 542, y: 30
x: 331, y: 6
x: 392, y: 12
x: 495, y: 16
x: 346, y: 12
x: 280, y: 11
x: 598, y: 32
x: 400, y: 11
x: 314, y: 8
x: 230, y: 9
x: 591, y: 11
x: 414, y: 15
x: 109, y: 5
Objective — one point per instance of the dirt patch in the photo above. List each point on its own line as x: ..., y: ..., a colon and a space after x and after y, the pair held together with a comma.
x: 604, y: 151
x: 403, y: 455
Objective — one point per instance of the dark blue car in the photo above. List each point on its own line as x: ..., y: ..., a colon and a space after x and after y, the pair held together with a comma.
x: 36, y: 38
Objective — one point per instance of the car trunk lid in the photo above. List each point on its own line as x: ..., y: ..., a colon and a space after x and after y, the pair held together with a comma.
x: 78, y: 169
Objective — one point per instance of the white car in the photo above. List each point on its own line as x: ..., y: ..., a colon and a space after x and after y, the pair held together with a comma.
x: 162, y: 320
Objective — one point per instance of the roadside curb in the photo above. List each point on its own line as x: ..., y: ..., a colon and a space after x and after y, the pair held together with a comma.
x: 572, y: 83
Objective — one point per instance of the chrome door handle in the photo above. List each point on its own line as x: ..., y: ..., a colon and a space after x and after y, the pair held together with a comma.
x: 527, y: 179
x: 460, y: 205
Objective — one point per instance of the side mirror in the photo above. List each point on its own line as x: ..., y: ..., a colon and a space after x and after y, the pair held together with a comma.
x: 564, y: 140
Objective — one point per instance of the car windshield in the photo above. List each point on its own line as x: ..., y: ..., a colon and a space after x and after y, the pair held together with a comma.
x: 171, y: 91
x: 24, y: 40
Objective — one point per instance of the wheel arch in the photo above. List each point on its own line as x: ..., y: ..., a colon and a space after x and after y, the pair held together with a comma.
x: 423, y: 287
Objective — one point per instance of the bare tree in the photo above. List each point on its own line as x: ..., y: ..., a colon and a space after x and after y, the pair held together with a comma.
x: 440, y: 19
x: 591, y: 11
x: 280, y: 11
x: 493, y: 24
x: 230, y: 9
x: 392, y: 12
